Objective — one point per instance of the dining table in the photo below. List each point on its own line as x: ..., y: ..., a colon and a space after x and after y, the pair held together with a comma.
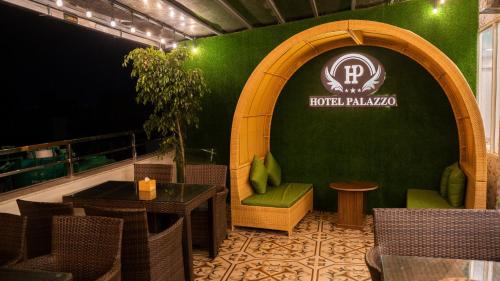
x: 410, y: 268
x: 14, y: 274
x: 168, y: 198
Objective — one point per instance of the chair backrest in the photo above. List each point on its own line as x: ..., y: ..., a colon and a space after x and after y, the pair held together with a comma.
x: 88, y: 247
x: 162, y: 173
x: 12, y: 238
x: 207, y: 174
x: 135, y: 249
x: 442, y: 233
x: 39, y: 224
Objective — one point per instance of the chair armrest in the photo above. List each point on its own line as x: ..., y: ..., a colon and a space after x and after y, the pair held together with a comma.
x: 165, y: 248
x: 114, y: 273
x: 39, y: 263
x: 374, y: 263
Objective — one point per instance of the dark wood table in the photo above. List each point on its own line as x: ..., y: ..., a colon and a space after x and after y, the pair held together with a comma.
x: 10, y: 274
x: 171, y: 198
x: 403, y: 268
x: 351, y: 202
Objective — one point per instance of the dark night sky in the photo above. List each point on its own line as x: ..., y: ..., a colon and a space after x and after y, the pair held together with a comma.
x: 59, y: 80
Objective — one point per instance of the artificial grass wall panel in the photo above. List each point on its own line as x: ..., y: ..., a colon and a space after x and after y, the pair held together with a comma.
x: 227, y: 61
x: 399, y: 148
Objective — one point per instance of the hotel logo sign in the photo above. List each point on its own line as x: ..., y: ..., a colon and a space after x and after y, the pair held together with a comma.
x: 353, y: 78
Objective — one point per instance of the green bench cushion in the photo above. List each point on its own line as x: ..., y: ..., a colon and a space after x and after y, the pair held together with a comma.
x: 283, y: 196
x: 424, y: 198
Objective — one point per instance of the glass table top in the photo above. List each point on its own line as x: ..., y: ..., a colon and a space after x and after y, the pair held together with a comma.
x: 403, y: 268
x: 126, y: 190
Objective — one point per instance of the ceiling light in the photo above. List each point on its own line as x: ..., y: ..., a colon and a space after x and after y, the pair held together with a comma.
x: 172, y: 14
x: 145, y: 2
x: 132, y: 29
x: 162, y: 40
x: 442, y: 1
x: 182, y: 17
x: 148, y: 33
x: 159, y: 5
x: 174, y: 45
x: 113, y: 23
x: 59, y: 3
x: 194, y: 50
x: 88, y: 14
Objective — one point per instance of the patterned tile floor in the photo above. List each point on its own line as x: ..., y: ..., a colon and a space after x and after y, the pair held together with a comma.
x: 317, y: 251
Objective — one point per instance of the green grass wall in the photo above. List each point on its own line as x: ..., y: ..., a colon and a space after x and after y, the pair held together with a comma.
x: 227, y: 61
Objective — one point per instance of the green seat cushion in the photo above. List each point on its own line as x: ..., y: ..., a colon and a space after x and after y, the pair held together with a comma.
x: 444, y: 181
x: 273, y: 170
x: 283, y: 196
x: 424, y: 199
x: 456, y: 187
x: 258, y: 176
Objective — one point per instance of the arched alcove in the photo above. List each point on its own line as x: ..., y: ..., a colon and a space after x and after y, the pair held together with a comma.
x: 250, y: 134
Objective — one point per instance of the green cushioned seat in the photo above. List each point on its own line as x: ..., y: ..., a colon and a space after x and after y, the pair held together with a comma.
x: 424, y: 198
x: 283, y: 196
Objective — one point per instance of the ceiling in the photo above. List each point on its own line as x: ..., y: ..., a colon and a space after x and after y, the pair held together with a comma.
x: 169, y: 21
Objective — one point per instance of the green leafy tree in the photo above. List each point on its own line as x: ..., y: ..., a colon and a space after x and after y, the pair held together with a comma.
x: 173, y: 90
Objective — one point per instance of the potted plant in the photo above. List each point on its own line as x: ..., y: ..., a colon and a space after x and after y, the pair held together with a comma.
x: 173, y: 90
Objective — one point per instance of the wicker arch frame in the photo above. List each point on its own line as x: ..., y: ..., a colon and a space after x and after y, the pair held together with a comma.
x: 250, y: 134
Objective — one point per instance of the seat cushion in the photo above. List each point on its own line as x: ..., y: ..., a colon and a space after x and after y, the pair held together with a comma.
x: 258, y: 176
x: 273, y: 170
x: 424, y: 198
x: 283, y: 196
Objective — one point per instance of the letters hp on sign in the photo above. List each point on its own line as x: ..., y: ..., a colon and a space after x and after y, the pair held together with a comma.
x: 353, y: 78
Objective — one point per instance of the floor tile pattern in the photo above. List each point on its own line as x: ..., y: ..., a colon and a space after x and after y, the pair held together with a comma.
x: 318, y: 250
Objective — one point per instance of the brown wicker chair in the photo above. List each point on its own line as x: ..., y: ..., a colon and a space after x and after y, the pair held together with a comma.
x: 39, y: 224
x: 162, y: 173
x: 12, y: 238
x: 146, y: 257
x: 440, y: 233
x: 87, y: 247
x: 209, y: 174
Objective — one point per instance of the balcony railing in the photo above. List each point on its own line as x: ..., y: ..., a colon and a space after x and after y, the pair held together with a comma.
x: 28, y: 165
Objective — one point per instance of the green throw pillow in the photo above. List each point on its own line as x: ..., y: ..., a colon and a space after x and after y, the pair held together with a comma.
x: 456, y: 187
x: 258, y: 176
x: 444, y: 180
x: 273, y: 170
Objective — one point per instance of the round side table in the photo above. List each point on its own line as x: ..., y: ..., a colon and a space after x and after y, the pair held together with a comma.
x: 351, y: 202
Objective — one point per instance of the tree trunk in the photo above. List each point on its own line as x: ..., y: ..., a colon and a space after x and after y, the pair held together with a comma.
x: 180, y: 155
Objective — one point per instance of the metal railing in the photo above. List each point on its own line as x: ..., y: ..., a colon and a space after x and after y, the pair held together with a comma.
x: 126, y: 149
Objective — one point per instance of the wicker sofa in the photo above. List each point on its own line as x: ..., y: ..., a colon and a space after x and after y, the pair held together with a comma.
x: 440, y: 233
x: 276, y: 218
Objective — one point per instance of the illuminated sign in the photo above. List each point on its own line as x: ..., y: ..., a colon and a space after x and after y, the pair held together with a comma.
x: 353, y: 79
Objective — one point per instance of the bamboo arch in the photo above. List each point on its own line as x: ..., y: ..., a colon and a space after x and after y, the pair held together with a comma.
x: 250, y: 134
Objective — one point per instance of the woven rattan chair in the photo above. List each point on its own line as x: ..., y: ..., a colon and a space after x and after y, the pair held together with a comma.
x: 39, y: 224
x: 162, y: 173
x: 440, y: 233
x: 216, y: 175
x: 146, y: 257
x: 12, y: 238
x: 87, y: 247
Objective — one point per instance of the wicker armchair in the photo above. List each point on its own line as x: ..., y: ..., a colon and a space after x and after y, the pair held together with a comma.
x: 12, y: 238
x: 162, y: 173
x: 39, y: 224
x: 146, y: 257
x: 216, y: 175
x: 440, y: 233
x: 87, y: 247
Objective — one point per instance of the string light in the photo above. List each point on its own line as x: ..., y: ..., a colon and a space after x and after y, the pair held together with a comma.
x: 174, y: 45
x: 158, y: 4
x: 162, y: 40
x: 113, y: 23
x: 172, y: 14
x: 59, y: 3
x: 88, y: 14
x: 182, y: 17
x: 442, y: 2
x: 435, y: 10
x: 148, y: 33
x: 132, y: 29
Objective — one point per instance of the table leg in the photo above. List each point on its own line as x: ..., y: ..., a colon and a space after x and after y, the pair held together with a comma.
x: 212, y: 239
x: 188, y: 248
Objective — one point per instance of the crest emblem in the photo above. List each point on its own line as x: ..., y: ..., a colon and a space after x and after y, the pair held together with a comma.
x: 353, y: 74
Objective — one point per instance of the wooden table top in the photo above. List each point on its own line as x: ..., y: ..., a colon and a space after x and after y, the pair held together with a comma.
x: 354, y: 186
